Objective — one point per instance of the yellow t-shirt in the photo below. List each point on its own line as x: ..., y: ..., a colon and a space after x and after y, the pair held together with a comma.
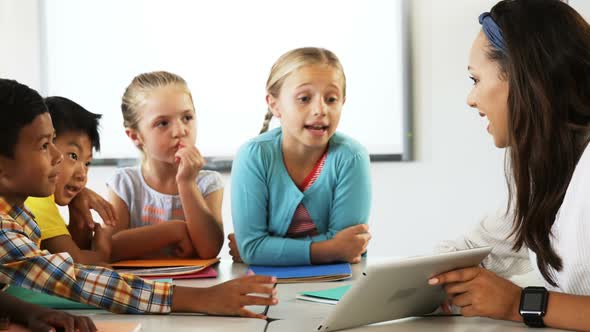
x: 47, y: 216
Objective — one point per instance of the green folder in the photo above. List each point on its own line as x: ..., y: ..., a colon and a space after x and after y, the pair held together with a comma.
x: 51, y: 301
x: 330, y: 296
x: 46, y: 300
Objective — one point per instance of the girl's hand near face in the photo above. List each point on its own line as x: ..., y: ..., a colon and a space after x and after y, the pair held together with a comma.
x: 190, y: 162
x: 479, y: 292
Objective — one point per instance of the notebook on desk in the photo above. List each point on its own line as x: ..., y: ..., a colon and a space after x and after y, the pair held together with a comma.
x: 397, y: 289
x: 329, y: 296
x: 114, y: 326
x: 208, y: 272
x: 305, y: 273
x: 164, y: 267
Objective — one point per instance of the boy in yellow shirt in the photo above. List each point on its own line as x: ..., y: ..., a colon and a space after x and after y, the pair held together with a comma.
x: 76, y: 135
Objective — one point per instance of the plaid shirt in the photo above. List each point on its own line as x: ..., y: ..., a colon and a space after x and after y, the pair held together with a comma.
x: 24, y: 264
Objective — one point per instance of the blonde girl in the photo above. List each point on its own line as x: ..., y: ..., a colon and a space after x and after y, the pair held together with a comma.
x: 301, y: 193
x: 168, y: 205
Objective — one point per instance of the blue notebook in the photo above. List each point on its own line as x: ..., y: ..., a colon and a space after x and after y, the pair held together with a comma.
x: 305, y: 273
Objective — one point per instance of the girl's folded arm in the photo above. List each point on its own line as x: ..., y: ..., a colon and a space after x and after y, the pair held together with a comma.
x: 138, y: 242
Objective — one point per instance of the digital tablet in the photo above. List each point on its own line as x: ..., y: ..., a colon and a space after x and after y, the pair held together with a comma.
x: 397, y: 289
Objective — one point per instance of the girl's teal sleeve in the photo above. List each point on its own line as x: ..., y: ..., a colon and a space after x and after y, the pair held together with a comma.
x: 352, y: 196
x: 249, y: 201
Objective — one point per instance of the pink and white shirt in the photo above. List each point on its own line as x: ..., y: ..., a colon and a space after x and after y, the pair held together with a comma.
x: 302, y: 225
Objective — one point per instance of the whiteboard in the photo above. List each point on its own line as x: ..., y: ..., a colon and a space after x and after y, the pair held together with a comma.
x: 224, y: 49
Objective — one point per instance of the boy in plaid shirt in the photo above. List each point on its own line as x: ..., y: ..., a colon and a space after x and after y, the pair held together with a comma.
x: 29, y: 165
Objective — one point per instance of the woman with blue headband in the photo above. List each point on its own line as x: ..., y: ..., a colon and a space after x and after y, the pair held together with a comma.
x: 530, y: 66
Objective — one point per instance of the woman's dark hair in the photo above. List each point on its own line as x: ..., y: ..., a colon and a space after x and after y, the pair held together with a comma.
x: 547, y: 65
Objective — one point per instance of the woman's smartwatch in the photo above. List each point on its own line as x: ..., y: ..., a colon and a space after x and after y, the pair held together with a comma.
x: 533, y: 305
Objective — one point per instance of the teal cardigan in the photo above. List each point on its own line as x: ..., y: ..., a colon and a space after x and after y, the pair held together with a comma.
x: 264, y: 198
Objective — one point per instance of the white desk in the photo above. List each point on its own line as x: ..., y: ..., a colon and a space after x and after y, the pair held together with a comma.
x: 442, y: 324
x: 191, y: 322
x: 292, y: 314
x: 181, y: 322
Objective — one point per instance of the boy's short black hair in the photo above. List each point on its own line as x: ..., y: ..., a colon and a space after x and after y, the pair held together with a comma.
x: 68, y: 116
x: 19, y: 106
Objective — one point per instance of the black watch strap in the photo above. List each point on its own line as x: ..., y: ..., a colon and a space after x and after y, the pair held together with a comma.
x: 533, y: 320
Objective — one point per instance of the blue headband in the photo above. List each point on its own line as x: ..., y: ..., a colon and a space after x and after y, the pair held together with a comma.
x: 492, y: 31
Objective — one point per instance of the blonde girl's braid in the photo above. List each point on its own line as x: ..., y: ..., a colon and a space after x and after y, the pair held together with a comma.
x: 267, y: 118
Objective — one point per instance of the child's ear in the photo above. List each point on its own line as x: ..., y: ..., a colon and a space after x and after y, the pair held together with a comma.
x: 135, y: 137
x: 4, y: 164
x: 272, y: 103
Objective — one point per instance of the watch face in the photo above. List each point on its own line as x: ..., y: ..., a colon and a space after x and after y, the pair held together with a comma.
x: 532, y: 302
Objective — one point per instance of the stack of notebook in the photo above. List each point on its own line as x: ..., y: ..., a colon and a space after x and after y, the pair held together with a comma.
x: 305, y: 273
x: 168, y: 268
x: 329, y: 296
